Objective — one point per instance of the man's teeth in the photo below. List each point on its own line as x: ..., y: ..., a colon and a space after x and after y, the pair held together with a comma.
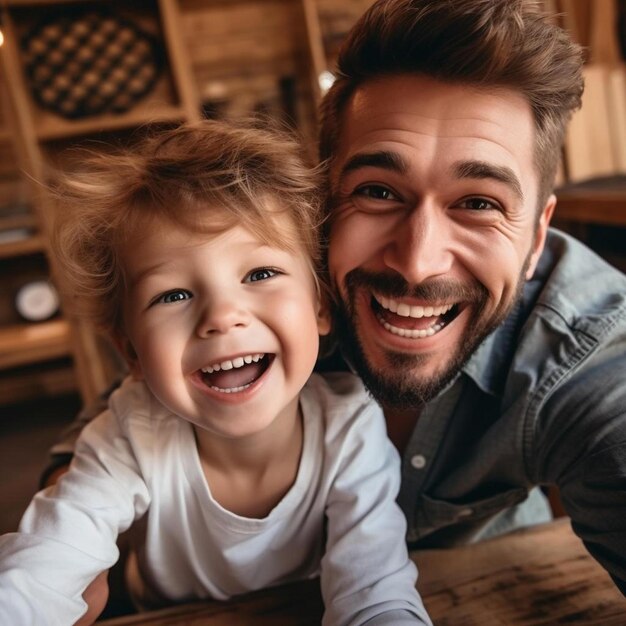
x: 405, y: 310
x: 240, y: 361
x: 411, y: 333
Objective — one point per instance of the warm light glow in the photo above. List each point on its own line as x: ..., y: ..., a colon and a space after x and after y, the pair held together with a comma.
x: 1, y: 38
x: 325, y: 80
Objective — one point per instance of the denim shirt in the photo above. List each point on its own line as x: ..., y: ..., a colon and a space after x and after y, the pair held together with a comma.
x: 542, y: 401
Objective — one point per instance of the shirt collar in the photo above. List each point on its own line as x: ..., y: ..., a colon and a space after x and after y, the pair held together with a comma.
x: 488, y: 367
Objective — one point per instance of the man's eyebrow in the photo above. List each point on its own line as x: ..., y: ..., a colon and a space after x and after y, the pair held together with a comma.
x: 383, y: 159
x: 481, y: 169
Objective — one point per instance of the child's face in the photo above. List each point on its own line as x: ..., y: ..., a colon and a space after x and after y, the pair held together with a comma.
x: 222, y: 328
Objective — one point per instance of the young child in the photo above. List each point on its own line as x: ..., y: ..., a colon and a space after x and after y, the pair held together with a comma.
x: 197, y: 250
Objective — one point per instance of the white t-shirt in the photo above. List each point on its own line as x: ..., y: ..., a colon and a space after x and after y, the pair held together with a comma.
x: 137, y: 460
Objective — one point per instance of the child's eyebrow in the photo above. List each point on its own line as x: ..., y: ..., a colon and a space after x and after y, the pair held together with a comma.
x: 150, y: 270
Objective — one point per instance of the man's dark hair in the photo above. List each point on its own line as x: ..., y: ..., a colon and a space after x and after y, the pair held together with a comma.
x: 484, y: 43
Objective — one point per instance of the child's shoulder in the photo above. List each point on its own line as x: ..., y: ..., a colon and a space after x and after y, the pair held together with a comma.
x: 338, y: 386
x: 132, y: 401
x: 341, y: 398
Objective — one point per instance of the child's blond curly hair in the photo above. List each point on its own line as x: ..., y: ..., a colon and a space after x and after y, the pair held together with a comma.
x: 205, y: 177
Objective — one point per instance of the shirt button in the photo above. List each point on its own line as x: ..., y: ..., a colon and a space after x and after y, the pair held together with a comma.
x: 418, y: 461
x: 465, y: 512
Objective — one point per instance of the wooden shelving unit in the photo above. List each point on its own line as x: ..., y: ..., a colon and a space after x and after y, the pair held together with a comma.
x: 25, y: 344
x: 591, y: 197
x: 220, y: 58
x: 47, y: 378
x: 28, y: 245
x: 50, y: 356
x: 50, y: 130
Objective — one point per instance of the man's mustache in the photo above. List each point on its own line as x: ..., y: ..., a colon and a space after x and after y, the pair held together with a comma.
x: 393, y: 285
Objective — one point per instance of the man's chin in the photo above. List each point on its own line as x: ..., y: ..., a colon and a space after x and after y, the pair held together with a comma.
x: 402, y: 380
x: 403, y: 383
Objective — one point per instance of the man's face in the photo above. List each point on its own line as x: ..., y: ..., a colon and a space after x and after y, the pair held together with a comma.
x: 434, y: 227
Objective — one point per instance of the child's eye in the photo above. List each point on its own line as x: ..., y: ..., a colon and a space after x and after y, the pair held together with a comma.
x: 262, y: 273
x: 169, y: 297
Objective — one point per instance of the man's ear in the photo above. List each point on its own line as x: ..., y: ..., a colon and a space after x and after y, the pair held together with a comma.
x: 540, y: 235
x: 123, y: 344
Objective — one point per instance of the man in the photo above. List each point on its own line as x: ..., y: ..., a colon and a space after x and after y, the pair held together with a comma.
x: 496, y: 346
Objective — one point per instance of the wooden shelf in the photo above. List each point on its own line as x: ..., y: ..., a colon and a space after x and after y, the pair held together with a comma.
x: 596, y: 201
x: 58, y: 128
x: 33, y: 244
x: 17, y: 220
x: 35, y: 3
x: 23, y: 344
x: 46, y: 379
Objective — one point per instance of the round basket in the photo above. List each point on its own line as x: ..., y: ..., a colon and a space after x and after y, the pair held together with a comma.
x: 84, y: 62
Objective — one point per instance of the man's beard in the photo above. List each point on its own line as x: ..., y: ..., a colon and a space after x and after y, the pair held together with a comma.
x: 395, y: 385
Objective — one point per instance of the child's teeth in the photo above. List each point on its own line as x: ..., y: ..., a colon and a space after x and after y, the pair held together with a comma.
x: 231, y: 389
x: 239, y: 361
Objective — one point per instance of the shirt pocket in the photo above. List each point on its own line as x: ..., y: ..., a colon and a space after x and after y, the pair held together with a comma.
x: 434, y: 513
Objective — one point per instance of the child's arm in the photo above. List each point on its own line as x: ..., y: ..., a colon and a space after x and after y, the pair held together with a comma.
x: 367, y: 576
x: 95, y: 597
x: 62, y: 451
x: 68, y: 533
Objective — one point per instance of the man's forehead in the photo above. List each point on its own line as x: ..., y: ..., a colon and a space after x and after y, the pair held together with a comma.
x: 422, y: 104
x: 413, y: 113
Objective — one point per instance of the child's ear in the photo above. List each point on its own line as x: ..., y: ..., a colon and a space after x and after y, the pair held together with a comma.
x: 324, y: 317
x: 123, y: 344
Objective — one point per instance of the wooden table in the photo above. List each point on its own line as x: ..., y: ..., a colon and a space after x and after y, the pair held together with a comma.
x: 541, y: 575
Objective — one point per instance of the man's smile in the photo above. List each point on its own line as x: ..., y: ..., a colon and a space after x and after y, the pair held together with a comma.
x: 413, y: 321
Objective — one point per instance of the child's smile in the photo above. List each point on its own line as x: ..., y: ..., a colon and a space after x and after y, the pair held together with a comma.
x: 237, y: 374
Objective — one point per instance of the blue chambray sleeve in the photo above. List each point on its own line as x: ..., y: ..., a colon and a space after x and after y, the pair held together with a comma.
x: 580, y: 445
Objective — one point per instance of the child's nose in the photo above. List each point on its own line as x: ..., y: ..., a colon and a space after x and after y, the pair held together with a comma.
x: 221, y: 316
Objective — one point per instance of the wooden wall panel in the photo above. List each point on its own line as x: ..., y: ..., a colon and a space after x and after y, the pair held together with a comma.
x: 242, y: 37
x: 336, y: 19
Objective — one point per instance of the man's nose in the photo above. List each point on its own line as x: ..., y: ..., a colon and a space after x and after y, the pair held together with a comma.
x: 221, y: 315
x: 421, y: 244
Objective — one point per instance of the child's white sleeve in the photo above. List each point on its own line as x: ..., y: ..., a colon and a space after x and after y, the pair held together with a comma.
x: 68, y: 533
x: 367, y: 576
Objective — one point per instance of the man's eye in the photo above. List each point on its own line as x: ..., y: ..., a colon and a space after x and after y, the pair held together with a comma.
x: 263, y: 273
x: 479, y: 204
x: 376, y: 192
x: 176, y: 295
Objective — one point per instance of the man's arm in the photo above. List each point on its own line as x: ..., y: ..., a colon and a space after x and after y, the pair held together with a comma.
x: 580, y: 446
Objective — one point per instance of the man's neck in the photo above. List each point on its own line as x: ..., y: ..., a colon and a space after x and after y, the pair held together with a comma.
x: 400, y: 425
